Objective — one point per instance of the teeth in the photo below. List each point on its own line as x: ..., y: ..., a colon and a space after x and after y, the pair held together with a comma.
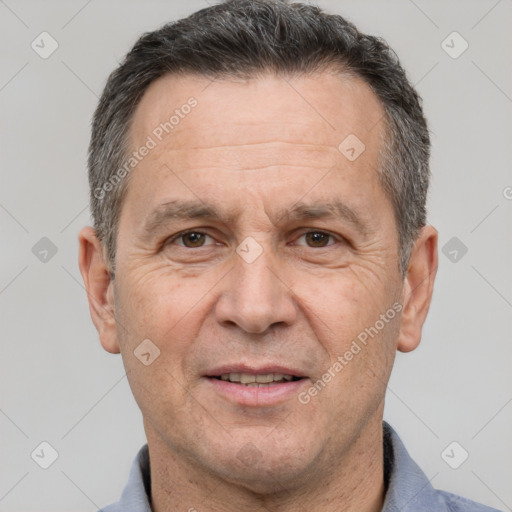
x: 265, y: 379
x: 245, y: 378
x: 256, y: 380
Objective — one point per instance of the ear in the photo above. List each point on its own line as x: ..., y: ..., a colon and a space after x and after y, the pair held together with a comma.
x: 418, y: 288
x: 99, y: 288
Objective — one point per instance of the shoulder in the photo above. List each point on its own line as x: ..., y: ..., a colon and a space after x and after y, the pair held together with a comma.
x: 409, y: 490
x: 457, y: 503
x: 136, y: 494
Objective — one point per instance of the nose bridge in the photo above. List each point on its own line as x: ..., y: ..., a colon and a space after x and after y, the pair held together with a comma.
x: 254, y: 269
x: 257, y: 298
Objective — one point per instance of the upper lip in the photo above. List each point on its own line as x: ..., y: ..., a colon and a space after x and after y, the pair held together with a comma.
x: 254, y: 370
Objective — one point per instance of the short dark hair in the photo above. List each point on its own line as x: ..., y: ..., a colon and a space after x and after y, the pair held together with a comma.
x: 246, y: 38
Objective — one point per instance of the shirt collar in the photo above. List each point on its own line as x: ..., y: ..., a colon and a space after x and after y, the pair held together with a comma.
x: 136, y: 494
x: 407, y: 487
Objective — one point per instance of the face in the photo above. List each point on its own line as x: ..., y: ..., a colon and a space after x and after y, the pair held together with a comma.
x: 253, y: 247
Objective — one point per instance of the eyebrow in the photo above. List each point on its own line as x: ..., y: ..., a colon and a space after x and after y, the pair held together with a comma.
x: 180, y: 210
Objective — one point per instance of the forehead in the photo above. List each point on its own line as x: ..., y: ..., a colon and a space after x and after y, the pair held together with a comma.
x: 314, y: 112
x: 275, y: 135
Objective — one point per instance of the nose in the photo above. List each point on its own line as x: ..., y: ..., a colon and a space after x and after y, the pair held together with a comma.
x: 257, y: 296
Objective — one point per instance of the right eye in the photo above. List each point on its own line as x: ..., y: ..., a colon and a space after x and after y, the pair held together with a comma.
x: 191, y: 239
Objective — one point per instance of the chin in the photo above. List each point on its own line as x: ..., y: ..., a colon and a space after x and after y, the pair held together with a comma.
x: 264, y: 478
x: 268, y: 470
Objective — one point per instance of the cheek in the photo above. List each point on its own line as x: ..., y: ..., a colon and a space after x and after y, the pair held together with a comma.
x: 156, y: 301
x: 158, y: 310
x: 345, y: 314
x: 342, y: 303
x: 161, y: 311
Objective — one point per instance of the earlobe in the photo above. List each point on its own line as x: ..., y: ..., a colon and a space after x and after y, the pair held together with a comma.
x: 99, y: 287
x: 418, y: 288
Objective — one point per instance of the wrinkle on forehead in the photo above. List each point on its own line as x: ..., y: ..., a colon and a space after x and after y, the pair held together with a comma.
x: 320, y: 109
x: 255, y: 156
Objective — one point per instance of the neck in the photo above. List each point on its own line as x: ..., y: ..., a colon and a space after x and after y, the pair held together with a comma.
x: 352, y: 481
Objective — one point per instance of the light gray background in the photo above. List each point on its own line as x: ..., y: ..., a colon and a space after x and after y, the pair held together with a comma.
x: 57, y: 383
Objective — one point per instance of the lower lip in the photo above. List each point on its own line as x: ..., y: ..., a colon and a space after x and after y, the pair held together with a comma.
x: 256, y: 396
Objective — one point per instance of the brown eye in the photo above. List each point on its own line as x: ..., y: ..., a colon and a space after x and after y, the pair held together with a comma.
x: 193, y: 239
x: 317, y: 238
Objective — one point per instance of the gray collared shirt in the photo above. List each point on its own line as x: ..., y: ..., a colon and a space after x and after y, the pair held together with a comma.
x: 407, y: 487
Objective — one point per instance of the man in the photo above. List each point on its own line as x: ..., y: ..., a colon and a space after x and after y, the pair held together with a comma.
x: 260, y: 251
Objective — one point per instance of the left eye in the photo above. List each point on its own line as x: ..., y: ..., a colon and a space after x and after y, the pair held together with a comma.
x: 317, y: 238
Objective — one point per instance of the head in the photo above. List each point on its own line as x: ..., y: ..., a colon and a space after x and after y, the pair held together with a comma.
x: 294, y: 152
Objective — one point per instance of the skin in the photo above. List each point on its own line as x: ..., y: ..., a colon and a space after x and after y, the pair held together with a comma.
x: 256, y: 147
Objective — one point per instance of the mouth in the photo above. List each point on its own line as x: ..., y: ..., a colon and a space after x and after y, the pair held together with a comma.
x: 249, y: 386
x: 260, y: 380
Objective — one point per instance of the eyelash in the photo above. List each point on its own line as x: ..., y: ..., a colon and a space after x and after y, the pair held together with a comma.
x: 184, y: 233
